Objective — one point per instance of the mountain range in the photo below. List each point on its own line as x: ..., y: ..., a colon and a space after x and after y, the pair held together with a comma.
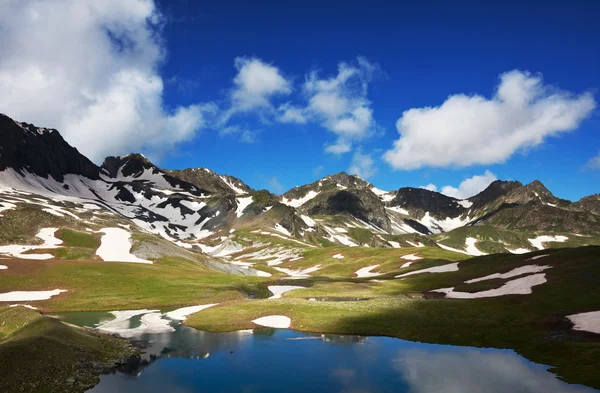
x: 198, y: 208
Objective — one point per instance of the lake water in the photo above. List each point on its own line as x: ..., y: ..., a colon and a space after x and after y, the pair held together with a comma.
x: 281, y: 361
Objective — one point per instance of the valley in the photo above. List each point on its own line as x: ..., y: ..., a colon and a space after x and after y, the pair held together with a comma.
x: 511, y: 267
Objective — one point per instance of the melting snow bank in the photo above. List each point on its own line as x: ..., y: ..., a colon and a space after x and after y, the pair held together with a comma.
x: 366, y: 272
x: 274, y: 321
x: 182, y: 313
x: 513, y: 273
x: 115, y: 246
x: 452, y: 249
x: 278, y: 290
x: 518, y: 250
x: 27, y: 296
x: 538, y: 241
x: 411, y: 257
x: 451, y: 267
x: 298, y: 273
x: 587, y: 321
x: 50, y: 241
x: 520, y: 286
x: 151, y: 322
x: 338, y: 256
x: 470, y: 248
x: 3, y: 267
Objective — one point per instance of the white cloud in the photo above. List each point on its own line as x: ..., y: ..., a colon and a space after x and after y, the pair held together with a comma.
x: 340, y: 103
x: 255, y: 84
x: 594, y: 162
x: 467, y: 188
x: 467, y: 130
x: 88, y: 68
x: 362, y: 165
x: 241, y: 133
x: 430, y: 187
x: 291, y: 114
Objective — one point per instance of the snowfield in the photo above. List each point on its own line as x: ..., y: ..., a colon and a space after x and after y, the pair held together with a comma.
x: 367, y: 272
x: 18, y: 251
x: 451, y: 267
x: 587, y: 321
x: 278, y: 290
x: 519, y: 286
x: 539, y: 241
x: 300, y: 201
x: 411, y: 257
x: 28, y: 296
x: 528, y: 269
x: 115, y: 246
x: 181, y: 314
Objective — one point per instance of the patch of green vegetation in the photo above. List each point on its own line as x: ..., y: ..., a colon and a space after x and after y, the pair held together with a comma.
x: 106, y: 286
x: 78, y: 239
x: 263, y: 197
x: 13, y: 319
x: 71, y: 254
x: 45, y: 355
x: 361, y: 235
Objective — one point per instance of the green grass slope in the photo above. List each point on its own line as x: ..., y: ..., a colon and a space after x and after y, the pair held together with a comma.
x: 41, y: 354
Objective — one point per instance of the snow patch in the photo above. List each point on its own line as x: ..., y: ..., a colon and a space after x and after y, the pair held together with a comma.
x: 513, y: 273
x: 115, y: 246
x: 278, y: 290
x: 451, y: 267
x: 471, y: 248
x: 300, y: 201
x: 181, y: 314
x: 338, y: 256
x: 538, y: 241
x: 28, y: 296
x: 587, y: 321
x: 274, y: 321
x: 465, y: 203
x: 366, y: 272
x: 519, y: 286
x: 411, y: 257
x: 242, y: 204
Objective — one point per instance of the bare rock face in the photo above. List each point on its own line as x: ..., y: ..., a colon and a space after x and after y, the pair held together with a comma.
x: 40, y: 151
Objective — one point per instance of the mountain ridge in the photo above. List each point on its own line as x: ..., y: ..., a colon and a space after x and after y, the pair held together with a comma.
x: 196, y: 205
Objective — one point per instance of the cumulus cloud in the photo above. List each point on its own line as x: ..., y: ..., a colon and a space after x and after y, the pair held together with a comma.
x: 362, y: 165
x: 255, y: 84
x: 471, y: 186
x: 467, y: 188
x: 430, y: 187
x: 94, y: 77
x: 594, y: 162
x: 289, y: 113
x: 467, y: 130
x: 340, y: 103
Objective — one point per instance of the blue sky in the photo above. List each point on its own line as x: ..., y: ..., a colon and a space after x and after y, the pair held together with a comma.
x: 197, y: 106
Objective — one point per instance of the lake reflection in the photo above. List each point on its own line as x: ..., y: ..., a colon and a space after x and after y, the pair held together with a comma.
x: 268, y: 360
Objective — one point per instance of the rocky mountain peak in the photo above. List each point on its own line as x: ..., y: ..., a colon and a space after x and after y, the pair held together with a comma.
x: 40, y: 151
x: 132, y: 164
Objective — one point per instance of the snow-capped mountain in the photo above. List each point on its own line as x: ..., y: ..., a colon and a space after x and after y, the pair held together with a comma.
x: 200, y: 207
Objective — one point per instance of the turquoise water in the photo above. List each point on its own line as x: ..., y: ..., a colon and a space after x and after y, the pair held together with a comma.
x: 280, y: 361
